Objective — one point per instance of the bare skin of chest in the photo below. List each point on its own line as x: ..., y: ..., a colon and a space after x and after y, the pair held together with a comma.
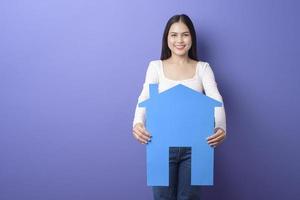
x: 178, y: 72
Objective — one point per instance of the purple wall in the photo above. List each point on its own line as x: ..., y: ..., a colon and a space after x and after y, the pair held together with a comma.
x: 71, y: 72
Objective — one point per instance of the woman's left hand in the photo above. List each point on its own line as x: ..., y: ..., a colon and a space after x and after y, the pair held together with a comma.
x: 217, y: 138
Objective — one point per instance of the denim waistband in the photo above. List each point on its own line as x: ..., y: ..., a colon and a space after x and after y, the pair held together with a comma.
x: 179, y: 148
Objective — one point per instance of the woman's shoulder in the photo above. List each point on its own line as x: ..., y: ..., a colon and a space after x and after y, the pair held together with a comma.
x: 154, y: 62
x: 154, y: 65
x: 203, y: 67
x: 152, y: 73
x: 202, y: 63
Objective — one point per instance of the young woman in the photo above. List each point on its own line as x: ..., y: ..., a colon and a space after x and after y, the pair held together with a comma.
x: 179, y: 64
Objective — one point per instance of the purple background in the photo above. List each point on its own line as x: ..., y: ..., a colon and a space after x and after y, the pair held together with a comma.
x: 71, y: 72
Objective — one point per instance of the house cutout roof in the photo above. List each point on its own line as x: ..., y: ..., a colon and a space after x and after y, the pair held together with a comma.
x: 178, y: 91
x: 179, y: 117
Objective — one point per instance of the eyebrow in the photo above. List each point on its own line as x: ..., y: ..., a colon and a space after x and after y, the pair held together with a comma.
x: 182, y: 32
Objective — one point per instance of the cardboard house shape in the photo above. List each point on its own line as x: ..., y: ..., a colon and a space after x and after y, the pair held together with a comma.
x: 179, y: 117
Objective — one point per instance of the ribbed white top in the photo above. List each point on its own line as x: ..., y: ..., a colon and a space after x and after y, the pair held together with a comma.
x: 203, y: 81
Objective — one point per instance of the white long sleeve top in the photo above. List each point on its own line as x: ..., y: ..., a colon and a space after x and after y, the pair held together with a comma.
x: 203, y: 81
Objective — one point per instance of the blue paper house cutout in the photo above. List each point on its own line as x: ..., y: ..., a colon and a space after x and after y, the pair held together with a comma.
x: 179, y: 117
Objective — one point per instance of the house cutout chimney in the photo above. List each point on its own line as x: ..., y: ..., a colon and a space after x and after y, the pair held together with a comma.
x: 153, y: 90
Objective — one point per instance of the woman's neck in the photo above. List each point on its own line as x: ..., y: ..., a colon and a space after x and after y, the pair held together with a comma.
x: 179, y: 60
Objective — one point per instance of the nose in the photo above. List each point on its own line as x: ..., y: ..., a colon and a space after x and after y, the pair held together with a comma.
x: 179, y: 38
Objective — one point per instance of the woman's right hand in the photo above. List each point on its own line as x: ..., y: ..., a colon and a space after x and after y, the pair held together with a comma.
x: 141, y: 134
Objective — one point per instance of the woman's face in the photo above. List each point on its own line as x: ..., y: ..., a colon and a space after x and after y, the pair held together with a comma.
x: 179, y: 39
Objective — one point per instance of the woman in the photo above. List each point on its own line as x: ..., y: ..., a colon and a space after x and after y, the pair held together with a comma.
x: 179, y: 65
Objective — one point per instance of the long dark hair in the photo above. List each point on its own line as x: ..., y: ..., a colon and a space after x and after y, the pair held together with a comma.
x: 165, y: 50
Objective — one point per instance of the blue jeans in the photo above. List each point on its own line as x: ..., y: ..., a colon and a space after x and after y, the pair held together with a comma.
x: 180, y: 187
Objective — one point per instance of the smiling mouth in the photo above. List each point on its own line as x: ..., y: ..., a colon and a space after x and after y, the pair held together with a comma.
x: 180, y: 47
